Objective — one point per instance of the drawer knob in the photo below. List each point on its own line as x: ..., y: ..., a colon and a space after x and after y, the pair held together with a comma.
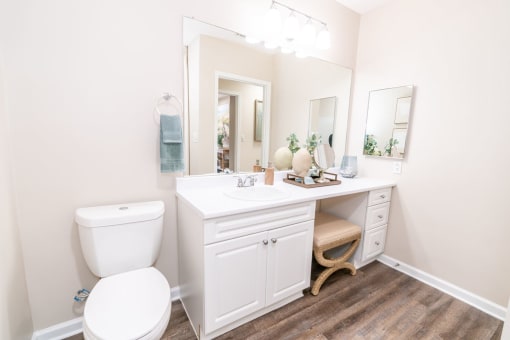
x: 377, y: 243
x: 274, y: 240
x: 265, y: 242
x: 380, y: 216
x: 383, y: 196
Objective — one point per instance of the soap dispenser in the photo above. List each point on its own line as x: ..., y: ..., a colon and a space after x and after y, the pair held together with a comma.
x: 257, y: 167
x: 269, y: 174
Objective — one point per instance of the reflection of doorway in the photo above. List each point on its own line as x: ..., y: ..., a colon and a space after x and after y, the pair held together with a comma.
x: 236, y: 108
x: 226, y: 136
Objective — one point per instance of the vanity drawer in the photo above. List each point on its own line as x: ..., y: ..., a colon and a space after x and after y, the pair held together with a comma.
x: 377, y: 215
x: 379, y: 196
x: 374, y: 242
x: 225, y: 228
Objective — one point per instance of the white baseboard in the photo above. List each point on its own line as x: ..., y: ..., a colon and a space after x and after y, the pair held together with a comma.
x: 476, y: 301
x: 75, y: 326
x: 60, y: 331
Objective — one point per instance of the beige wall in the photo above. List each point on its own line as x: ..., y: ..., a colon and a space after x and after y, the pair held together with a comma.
x: 15, y: 319
x: 448, y: 215
x: 82, y: 78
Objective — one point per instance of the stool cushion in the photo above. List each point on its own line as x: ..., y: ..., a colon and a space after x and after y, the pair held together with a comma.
x: 330, y: 229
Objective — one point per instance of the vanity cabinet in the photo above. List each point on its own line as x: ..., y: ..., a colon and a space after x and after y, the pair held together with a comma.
x: 235, y: 268
x: 246, y: 274
x: 371, y: 212
x: 376, y: 225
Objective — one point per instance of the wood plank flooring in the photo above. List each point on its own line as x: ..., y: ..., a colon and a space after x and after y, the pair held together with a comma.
x: 378, y: 303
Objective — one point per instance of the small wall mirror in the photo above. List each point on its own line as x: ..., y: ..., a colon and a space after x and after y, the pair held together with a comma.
x: 388, y: 117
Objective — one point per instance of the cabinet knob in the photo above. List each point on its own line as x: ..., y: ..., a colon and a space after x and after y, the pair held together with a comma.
x: 380, y: 216
x: 383, y: 196
x: 377, y: 243
x: 265, y: 242
x: 274, y: 240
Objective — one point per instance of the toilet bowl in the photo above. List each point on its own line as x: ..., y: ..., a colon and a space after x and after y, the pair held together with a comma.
x: 120, y: 244
x: 132, y: 305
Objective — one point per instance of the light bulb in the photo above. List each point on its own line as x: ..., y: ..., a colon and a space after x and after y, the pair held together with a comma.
x: 251, y: 39
x: 301, y: 54
x: 324, y: 39
x: 308, y: 34
x: 286, y: 49
x: 271, y: 44
x: 273, y: 22
x: 291, y: 27
x: 253, y: 35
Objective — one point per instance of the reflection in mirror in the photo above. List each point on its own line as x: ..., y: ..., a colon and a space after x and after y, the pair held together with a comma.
x: 388, y: 120
x: 289, y: 83
x: 324, y: 156
x: 322, y: 118
x: 239, y: 118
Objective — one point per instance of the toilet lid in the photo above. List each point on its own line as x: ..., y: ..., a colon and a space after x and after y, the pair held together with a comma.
x: 127, y: 305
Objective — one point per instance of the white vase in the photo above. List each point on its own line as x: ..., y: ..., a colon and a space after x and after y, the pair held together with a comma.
x: 301, y: 162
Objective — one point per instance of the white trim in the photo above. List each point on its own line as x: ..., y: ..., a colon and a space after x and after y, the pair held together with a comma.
x: 75, y: 326
x: 175, y: 293
x: 476, y: 301
x: 60, y: 331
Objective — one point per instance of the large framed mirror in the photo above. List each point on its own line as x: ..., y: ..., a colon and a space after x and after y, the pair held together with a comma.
x: 388, y: 119
x: 227, y: 128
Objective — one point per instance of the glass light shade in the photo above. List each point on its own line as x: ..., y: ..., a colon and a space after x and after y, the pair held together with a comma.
x: 273, y: 23
x: 349, y: 166
x: 308, y: 34
x: 271, y: 44
x: 291, y: 27
x: 301, y: 54
x: 286, y: 49
x: 252, y: 39
x: 323, y: 39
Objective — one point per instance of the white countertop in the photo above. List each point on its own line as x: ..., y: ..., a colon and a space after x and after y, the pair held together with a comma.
x: 206, y: 194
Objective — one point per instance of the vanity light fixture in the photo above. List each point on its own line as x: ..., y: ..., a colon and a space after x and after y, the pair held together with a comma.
x: 297, y: 33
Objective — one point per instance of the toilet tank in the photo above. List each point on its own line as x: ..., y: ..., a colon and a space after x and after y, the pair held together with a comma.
x: 122, y: 237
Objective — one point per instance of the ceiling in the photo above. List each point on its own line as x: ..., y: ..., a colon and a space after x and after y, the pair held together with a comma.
x: 362, y: 6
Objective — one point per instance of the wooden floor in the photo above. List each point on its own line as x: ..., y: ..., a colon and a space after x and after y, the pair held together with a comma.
x: 377, y: 303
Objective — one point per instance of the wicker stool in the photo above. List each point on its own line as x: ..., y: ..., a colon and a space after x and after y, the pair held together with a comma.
x: 331, y: 232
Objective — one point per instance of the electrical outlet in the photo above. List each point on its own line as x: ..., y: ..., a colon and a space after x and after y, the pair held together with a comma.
x: 397, y: 167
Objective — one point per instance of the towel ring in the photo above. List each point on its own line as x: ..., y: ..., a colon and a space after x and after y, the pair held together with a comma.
x: 166, y: 97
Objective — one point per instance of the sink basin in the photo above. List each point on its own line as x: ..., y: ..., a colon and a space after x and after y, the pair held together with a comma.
x: 257, y: 193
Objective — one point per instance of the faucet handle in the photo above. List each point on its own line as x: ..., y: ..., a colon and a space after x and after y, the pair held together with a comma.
x: 252, y: 179
x: 239, y: 181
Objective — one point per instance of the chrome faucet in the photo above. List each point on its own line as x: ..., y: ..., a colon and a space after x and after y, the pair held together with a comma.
x: 241, y: 183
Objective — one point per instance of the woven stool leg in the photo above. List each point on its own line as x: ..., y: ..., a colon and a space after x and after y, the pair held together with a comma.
x: 328, y: 272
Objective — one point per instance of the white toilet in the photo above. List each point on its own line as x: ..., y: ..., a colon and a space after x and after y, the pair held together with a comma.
x: 120, y: 244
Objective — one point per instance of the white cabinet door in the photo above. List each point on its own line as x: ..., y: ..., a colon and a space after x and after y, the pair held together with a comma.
x: 289, y: 261
x: 235, y: 277
x: 373, y: 244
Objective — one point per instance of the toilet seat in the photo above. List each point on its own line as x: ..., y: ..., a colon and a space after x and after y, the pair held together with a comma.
x: 131, y: 305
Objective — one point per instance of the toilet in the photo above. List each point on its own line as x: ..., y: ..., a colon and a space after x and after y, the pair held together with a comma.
x: 120, y: 244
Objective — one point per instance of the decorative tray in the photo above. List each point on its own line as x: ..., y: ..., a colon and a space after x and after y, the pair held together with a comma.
x: 328, y: 179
